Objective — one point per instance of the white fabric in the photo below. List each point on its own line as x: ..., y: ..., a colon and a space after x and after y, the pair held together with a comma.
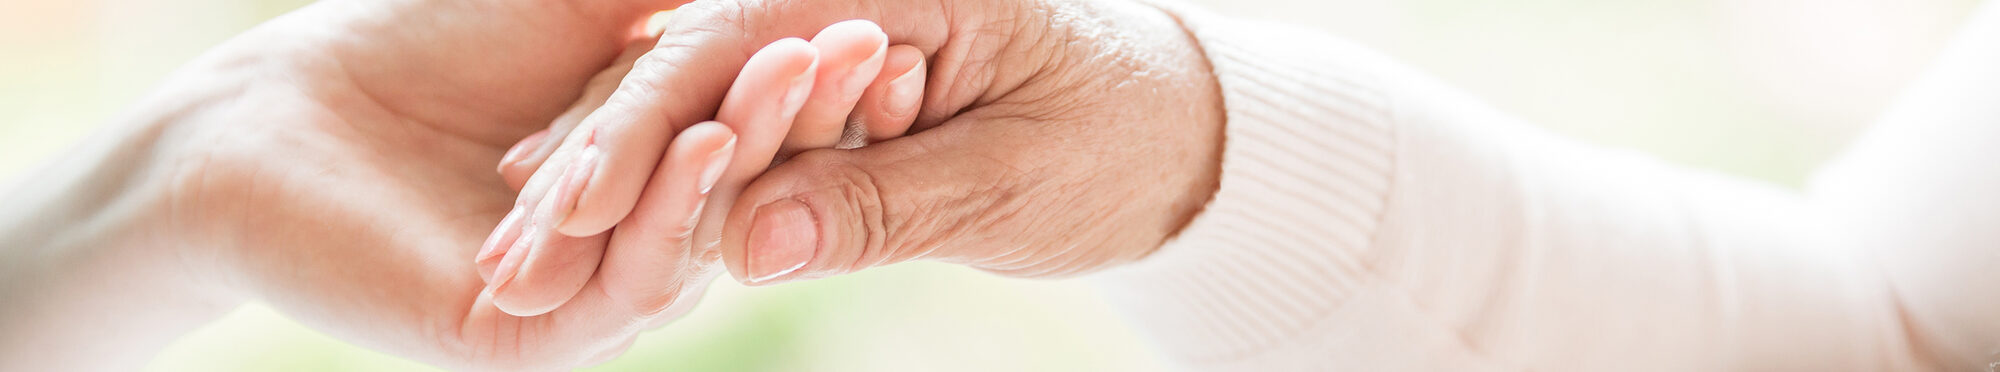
x: 1371, y: 219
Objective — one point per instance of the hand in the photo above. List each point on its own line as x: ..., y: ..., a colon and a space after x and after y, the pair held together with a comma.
x: 791, y: 92
x: 1055, y: 138
x: 336, y: 164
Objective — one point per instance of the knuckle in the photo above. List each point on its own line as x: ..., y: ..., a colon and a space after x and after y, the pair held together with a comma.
x: 865, y: 196
x: 647, y: 75
x: 703, y: 19
x: 858, y: 193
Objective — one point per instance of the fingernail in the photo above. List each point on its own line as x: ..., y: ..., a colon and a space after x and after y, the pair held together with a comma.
x: 511, y: 263
x: 508, y: 229
x: 855, y: 81
x: 783, y: 237
x: 801, y: 88
x: 718, y: 161
x: 520, y: 150
x: 574, y: 181
x: 905, y: 92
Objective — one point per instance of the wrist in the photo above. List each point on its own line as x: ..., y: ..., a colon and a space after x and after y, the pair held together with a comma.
x: 1207, y: 119
x: 93, y: 260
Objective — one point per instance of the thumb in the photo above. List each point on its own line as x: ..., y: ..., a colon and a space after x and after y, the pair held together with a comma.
x: 828, y: 212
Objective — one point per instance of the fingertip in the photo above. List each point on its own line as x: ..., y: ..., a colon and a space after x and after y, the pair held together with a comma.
x: 514, y: 167
x: 521, y: 148
x: 487, y: 261
x: 784, y: 235
x: 782, y: 69
x: 797, y: 53
x: 503, y: 279
x: 576, y: 211
x: 772, y: 199
x: 851, y: 54
x: 857, y: 28
x: 905, y: 90
x: 707, y: 135
x: 848, y: 45
x: 521, y: 309
x: 548, y: 272
x: 901, y: 59
x: 645, y: 261
x: 707, y: 146
x: 888, y: 107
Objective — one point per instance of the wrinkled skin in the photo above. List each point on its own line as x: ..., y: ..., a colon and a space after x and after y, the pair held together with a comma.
x: 337, y: 162
x: 1055, y: 138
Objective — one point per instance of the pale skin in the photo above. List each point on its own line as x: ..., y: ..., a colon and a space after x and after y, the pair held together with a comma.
x: 292, y: 186
x: 337, y: 163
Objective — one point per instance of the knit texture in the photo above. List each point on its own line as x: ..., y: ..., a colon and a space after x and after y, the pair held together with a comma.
x: 1371, y: 218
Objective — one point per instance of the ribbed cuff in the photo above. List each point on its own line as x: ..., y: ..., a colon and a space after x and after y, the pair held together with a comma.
x: 1306, y: 167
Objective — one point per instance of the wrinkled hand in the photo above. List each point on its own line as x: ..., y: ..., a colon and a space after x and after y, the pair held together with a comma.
x: 837, y: 90
x: 1056, y: 137
x: 338, y: 164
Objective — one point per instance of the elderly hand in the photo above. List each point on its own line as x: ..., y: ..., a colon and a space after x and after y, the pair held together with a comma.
x: 1056, y: 137
x: 790, y: 96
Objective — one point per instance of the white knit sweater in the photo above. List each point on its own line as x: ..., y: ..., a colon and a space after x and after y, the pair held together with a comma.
x: 1371, y: 219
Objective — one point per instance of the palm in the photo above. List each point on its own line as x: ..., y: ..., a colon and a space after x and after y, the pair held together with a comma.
x: 386, y: 182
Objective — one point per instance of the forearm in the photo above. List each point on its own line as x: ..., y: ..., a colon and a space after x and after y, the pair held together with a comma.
x: 1372, y: 218
x: 1556, y: 255
x: 1917, y: 194
x: 93, y: 275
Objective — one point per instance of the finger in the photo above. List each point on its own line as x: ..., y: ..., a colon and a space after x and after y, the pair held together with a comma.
x: 503, y: 237
x: 531, y: 143
x: 778, y: 78
x: 653, y: 251
x: 526, y: 227
x: 649, y: 259
x: 889, y: 105
x: 783, y: 60
x: 544, y: 269
x: 851, y: 54
x: 764, y: 100
x: 586, y: 328
x: 683, y: 80
x: 590, y: 327
x: 835, y: 211
x: 522, y: 161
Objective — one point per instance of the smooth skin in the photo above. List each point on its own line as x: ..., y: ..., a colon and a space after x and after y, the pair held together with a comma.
x: 335, y: 163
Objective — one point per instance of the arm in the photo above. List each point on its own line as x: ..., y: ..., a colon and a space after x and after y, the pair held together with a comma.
x: 1370, y: 217
x: 1916, y: 194
x: 334, y: 163
x: 93, y: 274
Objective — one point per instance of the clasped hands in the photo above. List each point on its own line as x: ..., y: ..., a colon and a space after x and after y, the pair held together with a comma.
x: 1025, y: 138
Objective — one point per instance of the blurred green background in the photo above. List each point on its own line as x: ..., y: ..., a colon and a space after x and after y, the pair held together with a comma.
x: 1763, y: 89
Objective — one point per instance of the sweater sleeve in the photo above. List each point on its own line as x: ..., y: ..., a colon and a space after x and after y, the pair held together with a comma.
x: 1371, y: 219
